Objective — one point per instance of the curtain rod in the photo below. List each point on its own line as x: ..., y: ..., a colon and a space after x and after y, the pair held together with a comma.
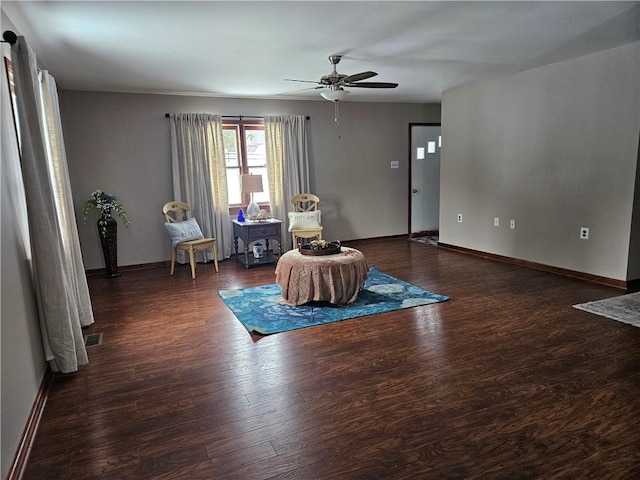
x: 167, y: 115
x: 9, y: 37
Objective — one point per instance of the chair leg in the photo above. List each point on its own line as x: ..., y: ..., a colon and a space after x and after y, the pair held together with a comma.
x: 173, y: 258
x: 192, y: 261
x: 295, y: 238
x: 215, y: 255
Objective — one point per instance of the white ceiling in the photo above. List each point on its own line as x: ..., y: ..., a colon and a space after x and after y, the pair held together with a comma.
x: 247, y: 49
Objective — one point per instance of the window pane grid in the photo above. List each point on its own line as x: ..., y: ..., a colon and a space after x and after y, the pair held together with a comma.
x: 245, y: 153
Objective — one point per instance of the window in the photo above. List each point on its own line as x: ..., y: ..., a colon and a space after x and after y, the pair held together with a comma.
x: 245, y: 153
x: 14, y: 101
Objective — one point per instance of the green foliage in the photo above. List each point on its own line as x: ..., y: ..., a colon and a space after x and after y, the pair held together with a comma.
x: 104, y: 203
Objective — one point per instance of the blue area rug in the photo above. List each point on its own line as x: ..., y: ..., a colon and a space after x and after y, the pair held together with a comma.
x: 259, y: 308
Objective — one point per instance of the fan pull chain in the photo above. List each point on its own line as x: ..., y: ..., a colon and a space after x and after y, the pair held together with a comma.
x: 336, y: 115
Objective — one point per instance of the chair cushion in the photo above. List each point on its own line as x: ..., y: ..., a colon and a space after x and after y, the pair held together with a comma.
x: 183, y: 231
x: 304, y: 220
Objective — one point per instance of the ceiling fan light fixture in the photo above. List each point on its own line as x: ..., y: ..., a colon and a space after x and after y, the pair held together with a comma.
x: 335, y: 95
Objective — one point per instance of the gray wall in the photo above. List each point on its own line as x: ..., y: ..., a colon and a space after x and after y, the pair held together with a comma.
x: 22, y: 362
x: 634, y: 247
x: 23, y: 365
x: 556, y: 149
x: 120, y: 143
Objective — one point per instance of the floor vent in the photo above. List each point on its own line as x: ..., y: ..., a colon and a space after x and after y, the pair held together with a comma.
x: 93, y: 339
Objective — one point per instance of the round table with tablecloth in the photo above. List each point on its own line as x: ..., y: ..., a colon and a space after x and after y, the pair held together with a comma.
x: 335, y: 278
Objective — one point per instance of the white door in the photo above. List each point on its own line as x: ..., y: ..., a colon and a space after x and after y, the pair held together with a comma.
x: 425, y: 178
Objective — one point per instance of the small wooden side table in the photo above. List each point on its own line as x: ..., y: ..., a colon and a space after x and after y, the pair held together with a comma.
x: 252, y: 231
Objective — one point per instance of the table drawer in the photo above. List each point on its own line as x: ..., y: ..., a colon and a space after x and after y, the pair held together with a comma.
x: 256, y: 233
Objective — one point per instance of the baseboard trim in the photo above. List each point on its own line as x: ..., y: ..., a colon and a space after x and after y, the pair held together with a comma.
x: 142, y: 266
x: 386, y: 237
x: 610, y: 282
x: 17, y: 467
x: 631, y: 285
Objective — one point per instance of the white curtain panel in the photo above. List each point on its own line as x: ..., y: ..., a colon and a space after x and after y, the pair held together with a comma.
x: 59, y: 170
x: 200, y: 177
x: 287, y: 164
x: 58, y: 272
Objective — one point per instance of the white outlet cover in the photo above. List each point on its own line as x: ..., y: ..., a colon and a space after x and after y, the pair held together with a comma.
x: 395, y: 164
x: 584, y: 233
x: 460, y: 218
x: 512, y: 224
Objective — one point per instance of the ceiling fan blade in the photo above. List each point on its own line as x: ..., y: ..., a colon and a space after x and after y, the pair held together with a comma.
x: 304, y: 81
x: 356, y: 77
x: 372, y: 85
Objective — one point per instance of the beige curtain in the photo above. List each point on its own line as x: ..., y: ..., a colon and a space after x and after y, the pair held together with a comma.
x: 200, y: 176
x: 58, y: 271
x: 287, y: 164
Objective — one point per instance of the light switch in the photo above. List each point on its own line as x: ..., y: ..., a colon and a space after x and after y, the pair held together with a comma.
x: 395, y: 164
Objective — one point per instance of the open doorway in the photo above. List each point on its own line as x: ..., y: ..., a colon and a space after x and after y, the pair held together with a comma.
x: 424, y: 180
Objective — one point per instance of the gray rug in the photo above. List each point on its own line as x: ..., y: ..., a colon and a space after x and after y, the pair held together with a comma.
x: 430, y: 239
x: 624, y: 308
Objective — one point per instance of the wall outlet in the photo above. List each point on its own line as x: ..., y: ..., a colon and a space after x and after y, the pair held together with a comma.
x: 496, y: 221
x: 459, y: 218
x: 512, y: 224
x: 395, y: 164
x: 584, y: 233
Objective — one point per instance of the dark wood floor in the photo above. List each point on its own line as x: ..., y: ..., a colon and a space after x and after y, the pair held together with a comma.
x: 504, y: 381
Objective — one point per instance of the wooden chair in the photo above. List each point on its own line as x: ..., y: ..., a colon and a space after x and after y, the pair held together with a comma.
x: 175, y: 212
x: 304, y: 202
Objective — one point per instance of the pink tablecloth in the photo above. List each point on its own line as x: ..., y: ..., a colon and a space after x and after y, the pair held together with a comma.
x: 334, y: 278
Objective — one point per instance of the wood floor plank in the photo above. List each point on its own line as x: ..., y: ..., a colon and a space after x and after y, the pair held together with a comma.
x: 505, y: 380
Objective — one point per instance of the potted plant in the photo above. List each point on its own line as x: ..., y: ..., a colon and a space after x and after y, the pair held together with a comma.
x: 106, y: 203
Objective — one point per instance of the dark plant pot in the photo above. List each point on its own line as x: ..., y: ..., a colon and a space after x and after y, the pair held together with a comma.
x: 110, y: 246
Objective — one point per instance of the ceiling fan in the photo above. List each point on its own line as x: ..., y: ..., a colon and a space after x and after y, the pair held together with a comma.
x: 335, y: 82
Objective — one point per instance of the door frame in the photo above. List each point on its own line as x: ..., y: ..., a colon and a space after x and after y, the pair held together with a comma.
x: 409, y: 183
